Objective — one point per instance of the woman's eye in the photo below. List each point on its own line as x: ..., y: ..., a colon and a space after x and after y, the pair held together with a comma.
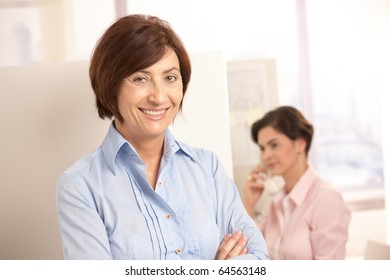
x: 171, y: 78
x: 139, y: 79
x: 274, y: 145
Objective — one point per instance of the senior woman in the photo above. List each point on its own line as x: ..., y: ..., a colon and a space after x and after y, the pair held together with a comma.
x: 143, y: 194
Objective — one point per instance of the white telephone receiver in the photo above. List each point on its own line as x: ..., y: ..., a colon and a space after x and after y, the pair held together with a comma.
x: 272, y: 184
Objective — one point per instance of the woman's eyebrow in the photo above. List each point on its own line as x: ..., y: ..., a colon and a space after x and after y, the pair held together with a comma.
x: 145, y: 71
x: 269, y: 142
x: 171, y: 69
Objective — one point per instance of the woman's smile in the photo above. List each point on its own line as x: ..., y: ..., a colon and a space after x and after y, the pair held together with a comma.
x: 154, y: 114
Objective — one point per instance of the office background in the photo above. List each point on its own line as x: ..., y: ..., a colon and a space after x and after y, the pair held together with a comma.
x: 331, y: 61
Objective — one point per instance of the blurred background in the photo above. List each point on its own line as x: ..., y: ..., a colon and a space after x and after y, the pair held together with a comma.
x: 330, y: 59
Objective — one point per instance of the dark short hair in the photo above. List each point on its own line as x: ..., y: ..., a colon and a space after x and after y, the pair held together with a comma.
x: 130, y: 44
x: 287, y: 120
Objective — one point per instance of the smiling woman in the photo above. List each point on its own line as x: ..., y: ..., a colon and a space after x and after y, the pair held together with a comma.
x: 148, y: 102
x: 142, y: 194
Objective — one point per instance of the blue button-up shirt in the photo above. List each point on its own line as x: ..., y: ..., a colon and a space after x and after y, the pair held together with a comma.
x: 107, y: 210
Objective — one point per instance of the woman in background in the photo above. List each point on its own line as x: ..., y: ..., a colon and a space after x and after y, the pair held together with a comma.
x: 308, y: 218
x: 142, y: 194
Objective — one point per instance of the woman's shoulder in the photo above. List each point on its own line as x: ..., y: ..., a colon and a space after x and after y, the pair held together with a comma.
x: 86, y: 162
x: 323, y: 190
x: 323, y: 185
x: 328, y: 201
x: 317, y: 183
x: 198, y: 153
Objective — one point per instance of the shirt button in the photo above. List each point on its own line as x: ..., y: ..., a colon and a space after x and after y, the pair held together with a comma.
x: 160, y: 183
x: 178, y: 251
x: 168, y: 216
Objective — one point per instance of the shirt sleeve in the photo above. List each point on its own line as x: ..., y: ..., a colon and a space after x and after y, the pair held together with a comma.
x: 232, y: 216
x: 82, y: 230
x: 330, y: 226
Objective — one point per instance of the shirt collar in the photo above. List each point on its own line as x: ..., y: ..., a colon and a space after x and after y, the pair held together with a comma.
x: 114, y: 142
x: 111, y: 145
x: 301, y: 188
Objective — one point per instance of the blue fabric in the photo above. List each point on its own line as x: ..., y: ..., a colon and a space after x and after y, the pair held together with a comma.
x: 107, y: 210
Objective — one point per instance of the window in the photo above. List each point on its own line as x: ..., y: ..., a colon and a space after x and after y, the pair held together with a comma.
x: 345, y: 40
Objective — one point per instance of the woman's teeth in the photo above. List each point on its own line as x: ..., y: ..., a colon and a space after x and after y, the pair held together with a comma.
x: 153, y: 113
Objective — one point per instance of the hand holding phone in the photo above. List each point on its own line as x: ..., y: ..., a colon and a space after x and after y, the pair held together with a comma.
x: 254, y: 187
x: 271, y: 186
x: 258, y: 181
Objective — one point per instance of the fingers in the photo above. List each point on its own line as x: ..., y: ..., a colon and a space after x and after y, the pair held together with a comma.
x: 255, y: 181
x: 232, y: 245
x: 244, y: 251
x: 259, y: 169
x: 253, y: 188
x: 258, y: 177
x: 238, y: 246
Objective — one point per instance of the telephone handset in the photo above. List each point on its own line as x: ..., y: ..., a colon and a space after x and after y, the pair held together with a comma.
x: 272, y: 184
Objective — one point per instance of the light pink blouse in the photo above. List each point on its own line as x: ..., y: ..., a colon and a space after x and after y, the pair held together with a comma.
x: 311, y: 222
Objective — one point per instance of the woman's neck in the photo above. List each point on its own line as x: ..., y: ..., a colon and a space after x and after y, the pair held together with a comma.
x: 150, y: 151
x: 294, y: 174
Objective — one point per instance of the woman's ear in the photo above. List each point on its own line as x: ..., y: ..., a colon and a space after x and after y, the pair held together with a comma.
x: 300, y: 145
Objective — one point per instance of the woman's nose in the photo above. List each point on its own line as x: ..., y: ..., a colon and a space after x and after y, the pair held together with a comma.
x: 265, y: 154
x: 157, y: 93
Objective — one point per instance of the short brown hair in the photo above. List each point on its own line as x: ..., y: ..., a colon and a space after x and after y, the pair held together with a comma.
x: 130, y: 44
x: 287, y: 120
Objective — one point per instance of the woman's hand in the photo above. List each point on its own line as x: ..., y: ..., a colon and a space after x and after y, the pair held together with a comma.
x: 231, y: 246
x: 253, y: 188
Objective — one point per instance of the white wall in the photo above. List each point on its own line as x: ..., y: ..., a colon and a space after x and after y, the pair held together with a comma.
x: 386, y: 145
x: 242, y: 30
x: 204, y: 121
x: 19, y: 36
x: 71, y: 28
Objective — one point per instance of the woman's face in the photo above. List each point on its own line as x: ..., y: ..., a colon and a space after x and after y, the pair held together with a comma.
x: 279, y: 153
x: 149, y: 99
